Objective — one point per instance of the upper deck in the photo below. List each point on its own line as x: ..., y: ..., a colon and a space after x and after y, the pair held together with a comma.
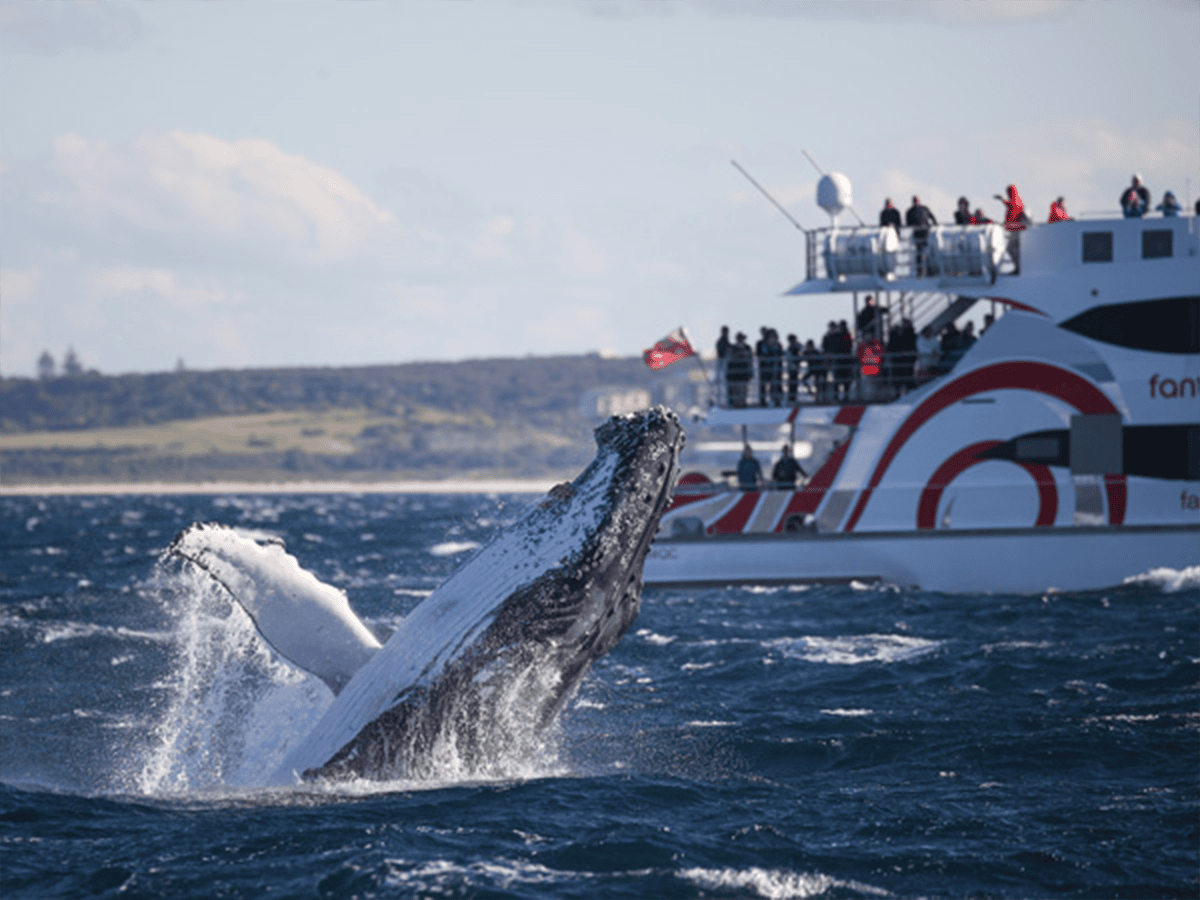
x: 1059, y: 269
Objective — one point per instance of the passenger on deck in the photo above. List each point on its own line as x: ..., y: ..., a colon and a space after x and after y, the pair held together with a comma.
x: 889, y: 215
x: 866, y: 323
x: 843, y: 368
x: 760, y: 354
x: 814, y: 368
x: 988, y: 321
x: 785, y: 471
x: 831, y: 346
x: 1170, y: 206
x: 795, y: 353
x: 902, y: 355
x: 749, y: 472
x: 1058, y: 211
x: 978, y: 218
x: 962, y: 215
x: 1135, y: 199
x: 927, y: 354
x: 1014, y: 209
x: 951, y: 349
x: 724, y: 346
x: 739, y: 371
x: 773, y: 367
x: 1015, y: 221
x: 920, y: 219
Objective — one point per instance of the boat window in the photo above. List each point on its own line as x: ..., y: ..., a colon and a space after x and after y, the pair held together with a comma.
x: 1097, y: 246
x: 1170, y: 325
x: 1157, y: 243
x: 1096, y: 444
x: 1037, y: 449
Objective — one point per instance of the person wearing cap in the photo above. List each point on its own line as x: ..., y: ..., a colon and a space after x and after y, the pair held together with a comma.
x: 1058, y: 211
x: 1170, y: 206
x: 1135, y: 200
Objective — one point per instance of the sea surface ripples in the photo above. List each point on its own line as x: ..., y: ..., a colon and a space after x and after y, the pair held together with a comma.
x: 841, y: 742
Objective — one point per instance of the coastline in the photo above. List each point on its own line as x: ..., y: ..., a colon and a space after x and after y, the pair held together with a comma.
x: 511, y: 486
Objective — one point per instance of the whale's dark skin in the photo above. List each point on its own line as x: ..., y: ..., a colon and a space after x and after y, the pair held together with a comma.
x: 552, y: 628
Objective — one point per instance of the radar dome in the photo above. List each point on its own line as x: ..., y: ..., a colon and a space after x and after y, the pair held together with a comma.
x: 833, y: 193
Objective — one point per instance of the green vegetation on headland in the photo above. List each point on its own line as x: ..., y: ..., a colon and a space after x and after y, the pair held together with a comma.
x: 471, y: 420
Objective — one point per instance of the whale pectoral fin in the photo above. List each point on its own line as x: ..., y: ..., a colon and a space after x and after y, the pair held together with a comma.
x: 307, y: 622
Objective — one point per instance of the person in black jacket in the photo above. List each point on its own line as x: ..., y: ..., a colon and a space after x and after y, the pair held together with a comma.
x: 889, y: 215
x: 920, y: 219
x: 785, y: 471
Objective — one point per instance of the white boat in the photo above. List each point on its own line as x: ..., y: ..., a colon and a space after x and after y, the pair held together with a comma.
x: 1061, y: 451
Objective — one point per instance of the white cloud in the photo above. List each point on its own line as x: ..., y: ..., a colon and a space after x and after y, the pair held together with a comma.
x: 198, y: 187
x: 17, y: 285
x: 164, y: 284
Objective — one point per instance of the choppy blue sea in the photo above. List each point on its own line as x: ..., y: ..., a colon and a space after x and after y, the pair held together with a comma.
x: 842, y: 742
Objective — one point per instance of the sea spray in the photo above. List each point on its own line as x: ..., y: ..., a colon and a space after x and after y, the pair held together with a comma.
x: 230, y: 707
x: 233, y: 709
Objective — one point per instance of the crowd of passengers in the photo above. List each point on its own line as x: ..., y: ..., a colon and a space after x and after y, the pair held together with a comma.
x: 834, y: 372
x: 829, y: 373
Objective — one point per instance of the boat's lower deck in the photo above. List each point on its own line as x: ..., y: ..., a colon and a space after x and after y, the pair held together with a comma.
x: 1018, y: 560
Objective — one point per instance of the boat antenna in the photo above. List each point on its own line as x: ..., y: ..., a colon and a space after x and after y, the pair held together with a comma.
x: 763, y: 190
x: 822, y: 172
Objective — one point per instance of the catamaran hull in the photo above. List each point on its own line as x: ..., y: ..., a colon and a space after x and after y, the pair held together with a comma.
x: 985, y: 560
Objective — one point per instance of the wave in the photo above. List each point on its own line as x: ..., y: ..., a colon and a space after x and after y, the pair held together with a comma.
x: 1169, y: 581
x: 453, y: 548
x: 775, y: 884
x: 854, y: 650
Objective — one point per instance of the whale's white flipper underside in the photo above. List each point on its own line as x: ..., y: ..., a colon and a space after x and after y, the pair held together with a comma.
x: 305, y: 620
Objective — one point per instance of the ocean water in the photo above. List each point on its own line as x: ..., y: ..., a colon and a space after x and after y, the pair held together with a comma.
x: 842, y: 742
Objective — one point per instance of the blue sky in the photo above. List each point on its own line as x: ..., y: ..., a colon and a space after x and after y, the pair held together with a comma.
x: 269, y: 184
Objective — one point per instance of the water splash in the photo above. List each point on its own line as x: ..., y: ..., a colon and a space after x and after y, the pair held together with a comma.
x: 233, y: 711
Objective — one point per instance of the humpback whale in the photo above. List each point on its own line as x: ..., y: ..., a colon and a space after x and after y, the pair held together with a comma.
x: 494, y: 653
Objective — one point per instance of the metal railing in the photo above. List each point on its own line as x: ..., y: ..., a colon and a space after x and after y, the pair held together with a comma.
x: 834, y: 379
x: 880, y: 255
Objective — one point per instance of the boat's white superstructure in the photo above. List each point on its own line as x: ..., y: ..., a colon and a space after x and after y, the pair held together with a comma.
x: 1061, y: 451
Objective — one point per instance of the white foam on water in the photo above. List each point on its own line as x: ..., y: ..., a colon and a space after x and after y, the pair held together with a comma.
x: 233, y: 711
x: 774, y: 884
x: 1169, y: 581
x: 453, y: 548
x: 854, y: 650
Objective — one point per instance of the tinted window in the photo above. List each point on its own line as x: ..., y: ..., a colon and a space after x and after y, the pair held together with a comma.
x: 1097, y: 246
x: 1157, y: 244
x: 1164, y: 326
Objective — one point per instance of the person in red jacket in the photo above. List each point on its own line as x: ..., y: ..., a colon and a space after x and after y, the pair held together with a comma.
x: 1014, y: 221
x: 1014, y: 209
x: 1058, y: 211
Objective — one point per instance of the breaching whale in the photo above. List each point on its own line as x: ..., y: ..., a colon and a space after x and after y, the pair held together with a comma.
x: 499, y: 647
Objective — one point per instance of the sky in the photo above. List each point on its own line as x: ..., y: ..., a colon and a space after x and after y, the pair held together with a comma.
x: 233, y: 185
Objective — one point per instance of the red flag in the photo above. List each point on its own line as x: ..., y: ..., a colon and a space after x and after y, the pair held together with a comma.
x: 674, y: 347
